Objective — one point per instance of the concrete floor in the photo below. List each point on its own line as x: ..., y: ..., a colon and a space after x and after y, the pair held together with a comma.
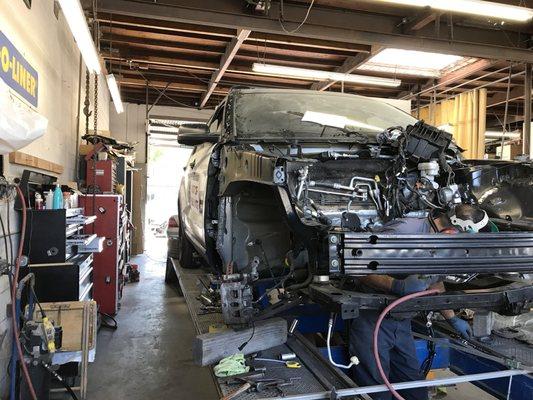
x: 149, y: 355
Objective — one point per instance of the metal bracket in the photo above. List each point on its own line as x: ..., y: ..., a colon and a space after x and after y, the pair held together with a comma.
x: 279, y: 175
x: 347, y: 303
x: 333, y: 395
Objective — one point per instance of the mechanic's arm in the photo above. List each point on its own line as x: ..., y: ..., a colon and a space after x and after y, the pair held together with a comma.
x: 378, y: 282
x: 399, y: 287
x: 461, y: 326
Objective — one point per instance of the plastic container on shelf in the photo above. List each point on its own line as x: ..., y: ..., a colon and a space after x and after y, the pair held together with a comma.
x: 49, y: 200
x: 58, y: 198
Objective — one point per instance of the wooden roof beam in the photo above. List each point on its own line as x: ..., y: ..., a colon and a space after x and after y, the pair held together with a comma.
x: 114, y: 19
x: 451, y: 77
x: 330, y: 24
x: 420, y: 20
x: 227, y: 58
x: 348, y: 66
x: 174, y: 86
x: 500, y: 98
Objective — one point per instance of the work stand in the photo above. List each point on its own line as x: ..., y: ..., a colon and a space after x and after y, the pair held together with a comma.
x: 318, y: 379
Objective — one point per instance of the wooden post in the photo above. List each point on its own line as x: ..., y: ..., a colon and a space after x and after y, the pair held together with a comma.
x: 210, y: 348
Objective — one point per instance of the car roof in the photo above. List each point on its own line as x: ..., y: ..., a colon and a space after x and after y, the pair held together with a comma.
x: 297, y: 91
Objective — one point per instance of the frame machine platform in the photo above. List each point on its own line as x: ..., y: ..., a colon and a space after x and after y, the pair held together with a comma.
x: 318, y: 379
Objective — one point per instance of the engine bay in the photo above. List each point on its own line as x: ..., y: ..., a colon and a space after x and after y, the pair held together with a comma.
x: 408, y: 173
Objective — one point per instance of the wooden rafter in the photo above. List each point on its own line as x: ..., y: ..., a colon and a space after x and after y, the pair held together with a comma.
x: 227, y: 58
x: 420, y: 20
x: 451, y: 78
x: 349, y: 65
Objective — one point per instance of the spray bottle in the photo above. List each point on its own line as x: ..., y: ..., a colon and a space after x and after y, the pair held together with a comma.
x: 58, y: 198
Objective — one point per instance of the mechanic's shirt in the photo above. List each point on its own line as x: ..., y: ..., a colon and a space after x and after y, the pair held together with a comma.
x: 406, y: 226
x: 400, y: 226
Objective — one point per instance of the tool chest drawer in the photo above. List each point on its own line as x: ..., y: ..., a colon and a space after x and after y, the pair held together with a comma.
x: 68, y: 281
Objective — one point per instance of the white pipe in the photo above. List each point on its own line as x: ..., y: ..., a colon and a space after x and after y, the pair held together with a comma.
x: 406, y: 385
x: 353, y: 360
x: 499, y: 134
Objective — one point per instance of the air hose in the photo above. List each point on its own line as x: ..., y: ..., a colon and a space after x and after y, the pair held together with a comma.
x: 387, y: 309
x: 14, y: 321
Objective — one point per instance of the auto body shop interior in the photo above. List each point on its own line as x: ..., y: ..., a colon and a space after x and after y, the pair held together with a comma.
x: 266, y: 199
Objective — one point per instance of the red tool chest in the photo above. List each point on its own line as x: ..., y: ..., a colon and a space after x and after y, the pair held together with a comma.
x: 102, y: 175
x: 110, y: 223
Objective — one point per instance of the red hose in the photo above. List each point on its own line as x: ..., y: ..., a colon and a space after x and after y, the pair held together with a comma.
x: 376, y: 332
x: 16, y: 332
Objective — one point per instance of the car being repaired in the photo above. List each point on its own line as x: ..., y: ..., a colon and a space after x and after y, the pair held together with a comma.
x: 348, y: 202
x: 300, y: 193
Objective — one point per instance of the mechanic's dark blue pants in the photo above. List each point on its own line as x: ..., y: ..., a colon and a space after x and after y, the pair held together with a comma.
x: 396, y: 350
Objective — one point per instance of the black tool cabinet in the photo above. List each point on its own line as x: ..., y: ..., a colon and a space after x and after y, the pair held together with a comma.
x: 60, y: 254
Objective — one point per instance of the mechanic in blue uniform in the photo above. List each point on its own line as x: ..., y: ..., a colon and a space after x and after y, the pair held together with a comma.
x: 396, y: 343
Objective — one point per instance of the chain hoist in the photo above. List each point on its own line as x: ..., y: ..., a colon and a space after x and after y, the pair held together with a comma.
x: 87, y: 102
x: 95, y: 104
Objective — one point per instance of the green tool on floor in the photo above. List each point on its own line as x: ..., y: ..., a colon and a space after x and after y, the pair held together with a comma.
x: 232, y: 365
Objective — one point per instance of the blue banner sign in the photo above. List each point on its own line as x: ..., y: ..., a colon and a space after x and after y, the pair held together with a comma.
x: 17, y: 73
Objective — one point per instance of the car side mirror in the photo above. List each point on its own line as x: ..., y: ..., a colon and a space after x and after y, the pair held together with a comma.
x: 195, y: 134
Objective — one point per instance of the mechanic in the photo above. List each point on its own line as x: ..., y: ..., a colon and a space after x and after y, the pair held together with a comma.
x: 396, y: 342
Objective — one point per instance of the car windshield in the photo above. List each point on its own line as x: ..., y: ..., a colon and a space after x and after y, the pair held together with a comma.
x: 297, y: 115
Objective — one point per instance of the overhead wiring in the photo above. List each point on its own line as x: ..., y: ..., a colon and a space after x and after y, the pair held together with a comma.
x: 282, y: 20
x: 162, y: 93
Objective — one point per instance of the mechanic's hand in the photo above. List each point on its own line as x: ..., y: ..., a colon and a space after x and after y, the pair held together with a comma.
x: 461, y: 326
x: 412, y: 284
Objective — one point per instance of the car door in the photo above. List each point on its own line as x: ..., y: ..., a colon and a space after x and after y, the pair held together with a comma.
x: 193, y: 192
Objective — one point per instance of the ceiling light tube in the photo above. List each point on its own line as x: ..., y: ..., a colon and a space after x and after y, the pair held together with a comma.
x: 473, y: 7
x: 78, y: 26
x: 317, y: 75
x: 115, y: 93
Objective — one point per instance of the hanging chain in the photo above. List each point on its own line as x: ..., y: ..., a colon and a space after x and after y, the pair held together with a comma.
x: 87, y: 102
x: 96, y: 39
x: 95, y: 104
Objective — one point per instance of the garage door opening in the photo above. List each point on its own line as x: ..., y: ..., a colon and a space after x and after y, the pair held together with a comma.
x: 166, y: 162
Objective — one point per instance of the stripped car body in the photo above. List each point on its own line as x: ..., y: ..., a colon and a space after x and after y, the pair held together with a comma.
x: 285, y: 185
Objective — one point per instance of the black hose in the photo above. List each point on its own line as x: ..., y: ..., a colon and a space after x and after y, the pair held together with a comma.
x: 61, y: 380
x: 428, y: 362
x: 105, y: 324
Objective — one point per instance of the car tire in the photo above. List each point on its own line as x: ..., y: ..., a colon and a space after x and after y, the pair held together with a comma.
x: 186, y: 252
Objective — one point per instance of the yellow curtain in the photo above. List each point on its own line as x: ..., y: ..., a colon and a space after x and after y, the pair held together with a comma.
x: 466, y: 115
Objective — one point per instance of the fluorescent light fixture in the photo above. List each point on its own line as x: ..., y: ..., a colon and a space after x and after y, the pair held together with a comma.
x: 410, y: 62
x: 115, y: 93
x: 78, y: 26
x: 473, y: 7
x: 317, y: 75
